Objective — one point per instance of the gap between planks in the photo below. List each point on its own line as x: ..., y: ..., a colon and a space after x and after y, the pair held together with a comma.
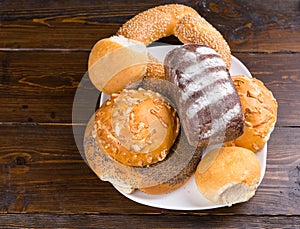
x: 75, y: 124
x: 40, y: 124
x: 88, y: 50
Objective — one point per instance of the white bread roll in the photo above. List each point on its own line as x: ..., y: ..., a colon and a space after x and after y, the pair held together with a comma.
x: 260, y: 110
x: 116, y: 62
x: 228, y: 175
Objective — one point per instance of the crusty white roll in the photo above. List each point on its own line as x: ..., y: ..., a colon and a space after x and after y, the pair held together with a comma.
x: 116, y: 62
x: 260, y: 110
x: 228, y: 175
x: 179, y: 20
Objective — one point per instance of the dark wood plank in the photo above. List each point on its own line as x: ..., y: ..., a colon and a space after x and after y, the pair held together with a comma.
x: 42, y: 171
x: 39, y: 87
x: 44, y: 46
x: 280, y: 187
x: 280, y: 73
x: 146, y: 221
x: 265, y: 26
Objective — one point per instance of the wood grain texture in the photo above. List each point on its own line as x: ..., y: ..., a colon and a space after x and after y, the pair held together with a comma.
x: 281, y: 74
x: 42, y: 171
x: 44, y: 47
x: 39, y: 87
x: 256, y: 26
x: 145, y: 221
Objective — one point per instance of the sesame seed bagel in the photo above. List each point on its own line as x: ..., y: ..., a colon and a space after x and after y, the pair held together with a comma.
x: 195, y: 29
x: 155, y: 23
x: 155, y: 68
x: 179, y: 20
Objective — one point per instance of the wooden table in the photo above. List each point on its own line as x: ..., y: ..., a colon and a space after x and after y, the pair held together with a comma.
x: 44, y: 47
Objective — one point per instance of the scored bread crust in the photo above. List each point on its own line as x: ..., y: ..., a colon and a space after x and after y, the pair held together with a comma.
x: 260, y: 111
x: 208, y: 103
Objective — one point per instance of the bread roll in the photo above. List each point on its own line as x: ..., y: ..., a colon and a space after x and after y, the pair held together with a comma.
x: 260, y: 111
x: 136, y: 127
x: 117, y: 62
x: 228, y: 175
x: 161, y: 177
x: 208, y: 104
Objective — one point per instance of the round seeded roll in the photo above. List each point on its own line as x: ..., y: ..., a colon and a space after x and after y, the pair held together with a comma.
x: 260, y: 111
x: 117, y: 160
x: 136, y: 127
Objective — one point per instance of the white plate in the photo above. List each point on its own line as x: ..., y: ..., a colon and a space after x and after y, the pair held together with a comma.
x: 187, y: 197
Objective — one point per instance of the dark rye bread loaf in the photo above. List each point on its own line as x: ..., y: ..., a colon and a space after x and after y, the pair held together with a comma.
x: 208, y: 103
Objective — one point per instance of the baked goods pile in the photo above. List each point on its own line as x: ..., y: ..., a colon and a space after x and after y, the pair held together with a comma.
x: 160, y: 118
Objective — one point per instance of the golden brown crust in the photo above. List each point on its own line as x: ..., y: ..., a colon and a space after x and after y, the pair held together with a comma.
x: 260, y: 111
x: 109, y: 75
x: 136, y: 127
x: 155, y: 23
x: 224, y: 168
x: 195, y: 29
x: 100, y: 49
x: 160, y: 189
x: 179, y: 20
x: 159, y: 178
x: 164, y: 188
x: 155, y: 69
